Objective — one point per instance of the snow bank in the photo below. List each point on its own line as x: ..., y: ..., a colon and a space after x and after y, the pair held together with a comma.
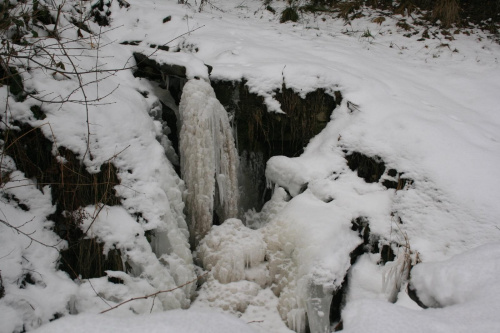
x: 466, y: 286
x: 466, y: 278
x: 209, y: 160
x: 34, y: 287
x: 174, y: 321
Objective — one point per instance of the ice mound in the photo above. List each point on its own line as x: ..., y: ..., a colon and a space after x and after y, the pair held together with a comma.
x: 231, y: 248
x: 232, y: 297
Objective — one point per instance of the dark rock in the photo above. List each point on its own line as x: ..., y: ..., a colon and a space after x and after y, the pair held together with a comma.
x: 131, y: 42
x: 99, y: 5
x: 11, y: 77
x: 338, y: 97
x: 269, y: 132
x: 303, y: 188
x: 163, y: 47
x: 390, y: 184
x: 27, y: 279
x: 394, y: 180
x: 356, y: 253
x: 86, y: 260
x: 392, y: 172
x: 42, y: 14
x: 56, y: 316
x: 270, y: 9
x: 412, y: 292
x: 37, y: 112
x: 123, y: 3
x: 150, y: 69
x: 338, y: 301
x: 175, y: 86
x: 368, y: 168
x: 100, y: 17
x: 2, y: 289
x: 144, y: 93
x: 115, y: 280
x: 370, y: 241
x: 361, y: 225
x: 80, y: 25
x: 10, y: 197
x: 71, y: 188
x: 289, y: 14
x: 386, y: 254
x: 403, y: 182
x: 168, y: 116
x: 173, y: 70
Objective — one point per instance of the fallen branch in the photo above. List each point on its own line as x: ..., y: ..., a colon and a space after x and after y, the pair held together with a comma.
x: 154, y: 294
x: 19, y: 231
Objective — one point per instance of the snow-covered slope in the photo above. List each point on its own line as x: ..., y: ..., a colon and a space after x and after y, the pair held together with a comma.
x: 428, y: 109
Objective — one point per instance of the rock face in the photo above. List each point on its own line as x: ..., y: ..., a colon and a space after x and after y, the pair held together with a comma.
x: 261, y: 134
x: 172, y: 77
x: 71, y: 188
x: 275, y: 133
x: 368, y: 168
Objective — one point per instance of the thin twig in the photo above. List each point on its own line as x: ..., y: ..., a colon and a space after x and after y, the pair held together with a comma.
x: 154, y: 294
x: 102, y: 299
x: 29, y: 236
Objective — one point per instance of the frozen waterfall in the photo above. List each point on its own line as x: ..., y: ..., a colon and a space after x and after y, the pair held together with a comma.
x: 209, y: 160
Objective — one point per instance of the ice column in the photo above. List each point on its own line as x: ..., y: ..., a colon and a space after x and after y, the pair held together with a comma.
x: 318, y: 308
x: 209, y: 160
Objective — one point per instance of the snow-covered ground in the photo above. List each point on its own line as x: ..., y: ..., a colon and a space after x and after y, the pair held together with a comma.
x: 428, y: 109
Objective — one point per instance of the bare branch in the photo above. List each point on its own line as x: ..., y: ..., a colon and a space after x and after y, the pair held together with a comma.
x: 18, y: 230
x: 154, y: 294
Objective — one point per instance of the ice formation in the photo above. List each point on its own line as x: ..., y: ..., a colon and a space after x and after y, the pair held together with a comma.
x: 209, y: 160
x: 234, y: 297
x: 230, y: 249
x: 308, y: 256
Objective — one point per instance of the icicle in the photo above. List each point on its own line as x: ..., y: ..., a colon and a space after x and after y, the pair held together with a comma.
x: 209, y: 160
x: 318, y: 309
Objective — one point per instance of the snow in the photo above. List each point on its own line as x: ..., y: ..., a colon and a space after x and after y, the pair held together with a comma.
x: 464, y: 289
x: 165, y: 322
x: 466, y: 278
x: 426, y: 108
x: 26, y: 303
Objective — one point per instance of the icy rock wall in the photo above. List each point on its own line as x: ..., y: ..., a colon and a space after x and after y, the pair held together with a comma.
x: 209, y: 160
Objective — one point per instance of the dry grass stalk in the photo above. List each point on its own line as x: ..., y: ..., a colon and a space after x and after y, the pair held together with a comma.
x: 446, y: 11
